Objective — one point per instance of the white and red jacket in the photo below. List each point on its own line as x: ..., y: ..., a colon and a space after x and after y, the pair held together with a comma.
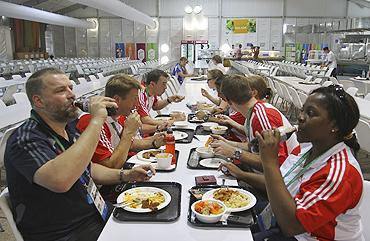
x: 265, y: 116
x: 145, y: 103
x: 328, y: 195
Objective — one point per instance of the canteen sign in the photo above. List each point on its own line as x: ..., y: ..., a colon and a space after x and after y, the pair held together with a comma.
x: 240, y: 26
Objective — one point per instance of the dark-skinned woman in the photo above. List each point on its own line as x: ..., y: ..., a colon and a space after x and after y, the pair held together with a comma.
x: 316, y: 195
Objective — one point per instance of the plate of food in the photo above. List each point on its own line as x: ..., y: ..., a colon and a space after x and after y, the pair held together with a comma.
x: 235, y: 199
x: 211, y: 162
x: 179, y: 135
x: 148, y: 155
x: 144, y: 199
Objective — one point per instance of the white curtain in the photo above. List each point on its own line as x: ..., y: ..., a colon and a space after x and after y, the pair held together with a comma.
x: 3, y: 52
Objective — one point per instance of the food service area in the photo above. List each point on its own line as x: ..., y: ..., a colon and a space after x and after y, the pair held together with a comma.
x: 187, y: 120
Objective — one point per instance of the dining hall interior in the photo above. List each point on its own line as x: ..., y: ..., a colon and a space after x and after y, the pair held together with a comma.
x: 184, y: 120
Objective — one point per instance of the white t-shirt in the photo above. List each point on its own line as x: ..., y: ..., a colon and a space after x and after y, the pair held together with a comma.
x: 330, y: 58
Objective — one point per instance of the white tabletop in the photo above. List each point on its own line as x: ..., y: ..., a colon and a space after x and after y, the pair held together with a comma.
x: 179, y: 230
x: 363, y: 85
x: 7, y: 83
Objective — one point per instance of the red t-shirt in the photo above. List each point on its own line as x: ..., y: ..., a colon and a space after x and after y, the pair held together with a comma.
x: 264, y: 116
x: 105, y: 146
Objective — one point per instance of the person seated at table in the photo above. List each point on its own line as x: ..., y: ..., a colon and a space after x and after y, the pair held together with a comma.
x: 155, y: 85
x: 259, y: 116
x: 217, y: 64
x: 48, y: 164
x: 118, y: 135
x: 259, y: 90
x: 212, y: 76
x: 317, y: 194
x: 180, y: 70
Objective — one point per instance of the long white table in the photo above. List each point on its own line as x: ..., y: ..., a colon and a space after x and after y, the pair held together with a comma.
x: 363, y: 85
x: 179, y: 230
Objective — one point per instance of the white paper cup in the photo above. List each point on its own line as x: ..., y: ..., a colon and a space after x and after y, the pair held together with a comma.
x: 164, y: 160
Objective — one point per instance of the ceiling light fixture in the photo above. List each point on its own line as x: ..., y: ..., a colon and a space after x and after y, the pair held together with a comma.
x: 188, y: 9
x: 12, y: 10
x: 165, y: 48
x: 197, y: 9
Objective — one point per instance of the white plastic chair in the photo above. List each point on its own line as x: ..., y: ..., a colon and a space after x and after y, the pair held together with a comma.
x: 367, y: 97
x: 352, y: 91
x: 364, y: 210
x: 21, y: 98
x: 327, y: 83
x: 8, y: 94
x: 363, y: 135
x: 302, y: 96
x: 5, y: 206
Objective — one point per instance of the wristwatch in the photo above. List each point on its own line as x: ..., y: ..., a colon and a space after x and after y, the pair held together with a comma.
x: 237, y: 154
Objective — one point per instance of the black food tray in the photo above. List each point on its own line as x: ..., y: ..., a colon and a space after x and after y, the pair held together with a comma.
x: 167, y: 214
x: 200, y: 131
x: 250, y: 213
x: 191, y: 117
x: 190, y: 133
x: 193, y: 164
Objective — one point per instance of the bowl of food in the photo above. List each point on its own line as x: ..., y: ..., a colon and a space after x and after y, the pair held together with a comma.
x: 207, y: 125
x: 205, y: 152
x: 208, y: 211
x: 202, y: 114
x: 219, y: 130
x: 180, y: 124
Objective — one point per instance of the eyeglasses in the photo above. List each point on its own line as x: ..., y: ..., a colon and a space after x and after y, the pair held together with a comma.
x: 338, y: 90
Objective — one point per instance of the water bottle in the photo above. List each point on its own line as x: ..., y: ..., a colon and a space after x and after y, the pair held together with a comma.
x: 84, y: 106
x: 285, y: 133
x: 170, y: 145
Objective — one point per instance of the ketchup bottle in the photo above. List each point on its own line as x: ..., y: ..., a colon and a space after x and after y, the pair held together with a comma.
x: 170, y: 145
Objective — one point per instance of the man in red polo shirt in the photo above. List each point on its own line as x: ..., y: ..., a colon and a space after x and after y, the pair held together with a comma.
x: 155, y: 85
x: 118, y: 135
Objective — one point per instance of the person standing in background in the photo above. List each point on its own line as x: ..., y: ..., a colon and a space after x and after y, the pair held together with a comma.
x: 238, y: 52
x: 330, y: 61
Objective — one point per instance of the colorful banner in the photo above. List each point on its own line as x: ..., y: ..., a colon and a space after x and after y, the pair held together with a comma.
x: 151, y: 51
x: 120, y: 47
x: 140, y: 51
x: 240, y: 26
x: 130, y: 51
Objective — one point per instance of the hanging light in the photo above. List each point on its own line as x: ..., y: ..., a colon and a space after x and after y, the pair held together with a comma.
x: 12, y: 10
x: 188, y: 9
x: 197, y: 9
x: 165, y: 48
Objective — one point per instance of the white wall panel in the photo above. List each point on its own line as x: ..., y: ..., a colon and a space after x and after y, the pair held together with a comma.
x: 316, y: 8
x: 214, y: 32
x: 70, y: 42
x: 276, y: 34
x: 93, y: 43
x: 249, y: 8
x: 58, y: 40
x: 115, y: 27
x: 263, y: 33
x: 139, y: 33
x: 104, y: 38
x: 176, y: 37
x: 81, y: 42
x: 127, y: 31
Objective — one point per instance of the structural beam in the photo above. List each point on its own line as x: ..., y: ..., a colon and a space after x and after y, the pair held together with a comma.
x: 362, y: 3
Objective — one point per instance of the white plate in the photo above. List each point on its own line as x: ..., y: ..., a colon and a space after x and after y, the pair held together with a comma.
x: 139, y: 155
x: 163, y: 118
x: 211, y: 162
x: 179, y: 135
x: 195, y: 119
x: 155, y: 166
x: 143, y: 192
x: 252, y: 198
